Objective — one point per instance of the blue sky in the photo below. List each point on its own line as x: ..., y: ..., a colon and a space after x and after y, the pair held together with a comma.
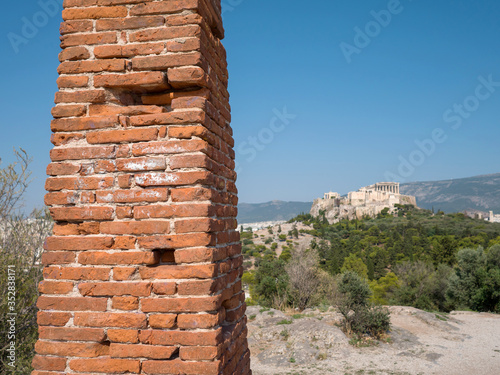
x: 325, y: 95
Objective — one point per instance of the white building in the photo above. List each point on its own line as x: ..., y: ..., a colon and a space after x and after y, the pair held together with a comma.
x: 494, y: 218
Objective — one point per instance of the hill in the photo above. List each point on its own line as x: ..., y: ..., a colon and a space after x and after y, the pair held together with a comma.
x: 481, y: 193
x: 270, y: 211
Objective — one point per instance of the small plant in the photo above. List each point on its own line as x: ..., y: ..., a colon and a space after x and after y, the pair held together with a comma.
x: 264, y: 309
x: 292, y: 360
x: 284, y: 321
x: 252, y: 317
x: 321, y: 356
x: 441, y: 317
x: 285, y: 334
x: 298, y: 316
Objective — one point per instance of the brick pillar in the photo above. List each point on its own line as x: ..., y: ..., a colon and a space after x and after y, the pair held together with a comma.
x: 143, y: 272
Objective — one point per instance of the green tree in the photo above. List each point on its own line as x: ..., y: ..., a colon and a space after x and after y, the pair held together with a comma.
x: 356, y: 265
x: 476, y: 282
x: 383, y: 289
x: 271, y: 281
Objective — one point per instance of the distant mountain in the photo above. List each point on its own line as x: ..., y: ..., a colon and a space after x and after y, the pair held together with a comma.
x: 271, y: 211
x: 480, y: 193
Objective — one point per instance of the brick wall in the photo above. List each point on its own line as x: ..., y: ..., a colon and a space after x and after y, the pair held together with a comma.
x: 143, y: 271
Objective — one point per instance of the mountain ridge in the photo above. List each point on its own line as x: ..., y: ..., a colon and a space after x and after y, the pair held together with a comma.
x: 477, y: 193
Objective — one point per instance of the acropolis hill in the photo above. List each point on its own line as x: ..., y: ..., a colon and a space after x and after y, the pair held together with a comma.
x: 367, y: 201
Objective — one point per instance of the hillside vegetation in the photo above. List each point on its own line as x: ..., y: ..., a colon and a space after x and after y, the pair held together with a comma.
x: 413, y: 258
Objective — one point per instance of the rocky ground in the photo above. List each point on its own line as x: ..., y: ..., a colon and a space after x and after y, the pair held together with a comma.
x: 420, y: 343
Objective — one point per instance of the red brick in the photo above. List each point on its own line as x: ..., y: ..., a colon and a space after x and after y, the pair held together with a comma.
x: 135, y: 227
x: 63, y: 139
x: 71, y: 303
x: 79, y: 243
x: 169, y: 147
x: 123, y: 320
x: 123, y: 273
x: 176, y: 241
x: 76, y: 229
x: 94, y: 13
x: 176, y: 118
x: 76, y: 273
x: 48, y: 363
x: 146, y: 80
x: 84, y: 123
x: 164, y: 288
x: 92, y: 66
x: 182, y: 77
x: 197, y: 353
x: 123, y: 335
x: 129, y: 23
x: 186, y: 45
x: 177, y: 366
x: 72, y: 81
x: 119, y: 136
x: 52, y: 318
x: 78, y: 183
x: 141, y: 164
x: 87, y: 96
x: 184, y: 19
x: 198, y: 255
x: 116, y: 258
x: 162, y: 320
x: 160, y: 337
x: 129, y: 50
x: 71, y: 110
x: 164, y: 7
x: 193, y: 304
x: 58, y: 169
x: 104, y: 110
x: 61, y: 198
x: 110, y: 289
x: 74, y: 53
x: 192, y: 194
x: 165, y: 33
x: 140, y: 351
x: 55, y: 287
x: 81, y: 213
x: 77, y: 26
x: 162, y: 62
x: 173, y: 179
x: 197, y: 225
x: 88, y: 39
x: 133, y: 196
x: 169, y: 211
x: 197, y: 287
x: 105, y: 365
x: 71, y: 333
x: 71, y: 349
x: 197, y: 321
x: 125, y: 303
x: 179, y: 272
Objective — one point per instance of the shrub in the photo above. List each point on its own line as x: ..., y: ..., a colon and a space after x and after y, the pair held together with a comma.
x: 359, y: 317
x: 21, y: 241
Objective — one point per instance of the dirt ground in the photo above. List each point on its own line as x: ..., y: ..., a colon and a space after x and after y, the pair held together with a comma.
x: 421, y: 343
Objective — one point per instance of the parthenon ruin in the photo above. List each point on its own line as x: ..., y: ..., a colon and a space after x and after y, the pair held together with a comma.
x: 366, y: 201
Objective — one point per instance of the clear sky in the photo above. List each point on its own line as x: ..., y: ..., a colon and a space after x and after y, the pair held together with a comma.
x: 326, y: 95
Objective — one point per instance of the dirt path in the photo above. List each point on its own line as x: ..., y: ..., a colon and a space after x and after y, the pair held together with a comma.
x: 460, y: 343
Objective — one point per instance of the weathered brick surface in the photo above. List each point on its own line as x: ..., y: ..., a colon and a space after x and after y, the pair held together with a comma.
x: 142, y: 274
